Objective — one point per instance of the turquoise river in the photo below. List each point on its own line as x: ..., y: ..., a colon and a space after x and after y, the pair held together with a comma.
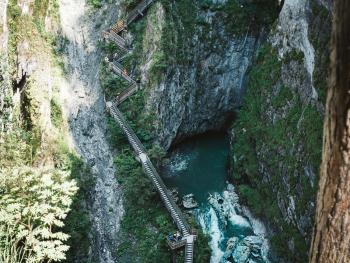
x: 199, y: 166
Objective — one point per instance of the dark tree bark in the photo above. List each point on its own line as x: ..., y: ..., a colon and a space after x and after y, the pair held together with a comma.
x: 331, y: 237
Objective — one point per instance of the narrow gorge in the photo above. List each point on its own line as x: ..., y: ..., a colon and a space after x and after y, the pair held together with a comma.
x: 229, y: 107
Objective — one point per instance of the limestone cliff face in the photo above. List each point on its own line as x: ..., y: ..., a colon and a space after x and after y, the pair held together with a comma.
x: 5, y: 89
x: 196, y: 93
x: 276, y: 159
x: 292, y: 34
x: 28, y: 77
x: 60, y: 106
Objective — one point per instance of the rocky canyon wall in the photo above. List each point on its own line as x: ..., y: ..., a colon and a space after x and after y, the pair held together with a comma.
x: 277, y: 137
x: 194, y: 69
x: 5, y: 89
x: 199, y: 68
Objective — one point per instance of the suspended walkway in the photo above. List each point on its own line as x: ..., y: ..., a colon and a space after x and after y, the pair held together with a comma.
x: 188, y: 237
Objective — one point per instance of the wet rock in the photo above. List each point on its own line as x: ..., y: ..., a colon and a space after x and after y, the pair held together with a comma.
x: 88, y: 123
x: 228, y: 208
x: 200, y: 96
x: 251, y: 244
x: 248, y: 249
x: 175, y: 194
x: 189, y: 202
x: 241, y: 254
x: 230, y: 247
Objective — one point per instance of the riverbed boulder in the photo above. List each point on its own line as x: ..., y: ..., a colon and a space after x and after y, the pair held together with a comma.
x: 241, y: 253
x: 189, y: 202
x: 230, y: 247
x: 255, y: 244
x: 244, y: 250
x: 175, y: 194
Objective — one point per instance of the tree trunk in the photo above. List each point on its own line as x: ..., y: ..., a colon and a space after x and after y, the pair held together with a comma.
x: 331, y: 237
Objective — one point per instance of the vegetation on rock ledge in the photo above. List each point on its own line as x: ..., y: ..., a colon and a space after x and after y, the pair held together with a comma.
x: 275, y: 137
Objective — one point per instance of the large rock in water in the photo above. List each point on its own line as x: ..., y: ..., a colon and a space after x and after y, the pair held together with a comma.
x: 189, y: 202
x: 230, y: 247
x: 247, y: 250
x: 175, y: 194
x: 241, y: 254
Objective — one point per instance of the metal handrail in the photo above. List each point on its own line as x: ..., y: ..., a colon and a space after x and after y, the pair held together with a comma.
x: 133, y: 139
x: 186, y: 229
x: 156, y: 179
x: 147, y: 165
x: 126, y: 93
x: 189, y: 252
x: 177, y: 244
x: 136, y: 11
x: 121, y: 43
x: 118, y: 69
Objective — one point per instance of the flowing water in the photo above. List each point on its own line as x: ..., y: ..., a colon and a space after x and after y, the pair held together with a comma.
x: 199, y: 167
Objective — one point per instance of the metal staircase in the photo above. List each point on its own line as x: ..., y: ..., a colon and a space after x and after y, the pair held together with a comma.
x: 149, y: 169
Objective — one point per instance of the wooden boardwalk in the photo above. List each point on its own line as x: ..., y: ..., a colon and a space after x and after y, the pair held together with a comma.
x: 112, y: 106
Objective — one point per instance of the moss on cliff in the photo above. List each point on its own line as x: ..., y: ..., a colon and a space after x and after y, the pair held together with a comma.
x: 319, y: 35
x: 250, y: 16
x: 39, y: 136
x: 276, y: 138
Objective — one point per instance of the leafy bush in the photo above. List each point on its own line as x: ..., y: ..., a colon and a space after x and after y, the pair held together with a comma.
x: 96, y: 3
x: 56, y: 113
x: 33, y: 204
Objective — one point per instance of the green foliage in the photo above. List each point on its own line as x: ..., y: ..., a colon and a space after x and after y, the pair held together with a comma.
x: 78, y: 224
x: 179, y: 29
x: 56, y: 113
x: 96, y: 3
x: 157, y: 154
x: 33, y: 204
x: 13, y: 14
x: 252, y: 197
x: 40, y: 8
x: 15, y: 154
x: 13, y: 149
x: 130, y: 4
x: 250, y: 16
x: 9, y: 252
x: 159, y: 65
x: 42, y: 194
x: 145, y: 218
x: 294, y: 55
